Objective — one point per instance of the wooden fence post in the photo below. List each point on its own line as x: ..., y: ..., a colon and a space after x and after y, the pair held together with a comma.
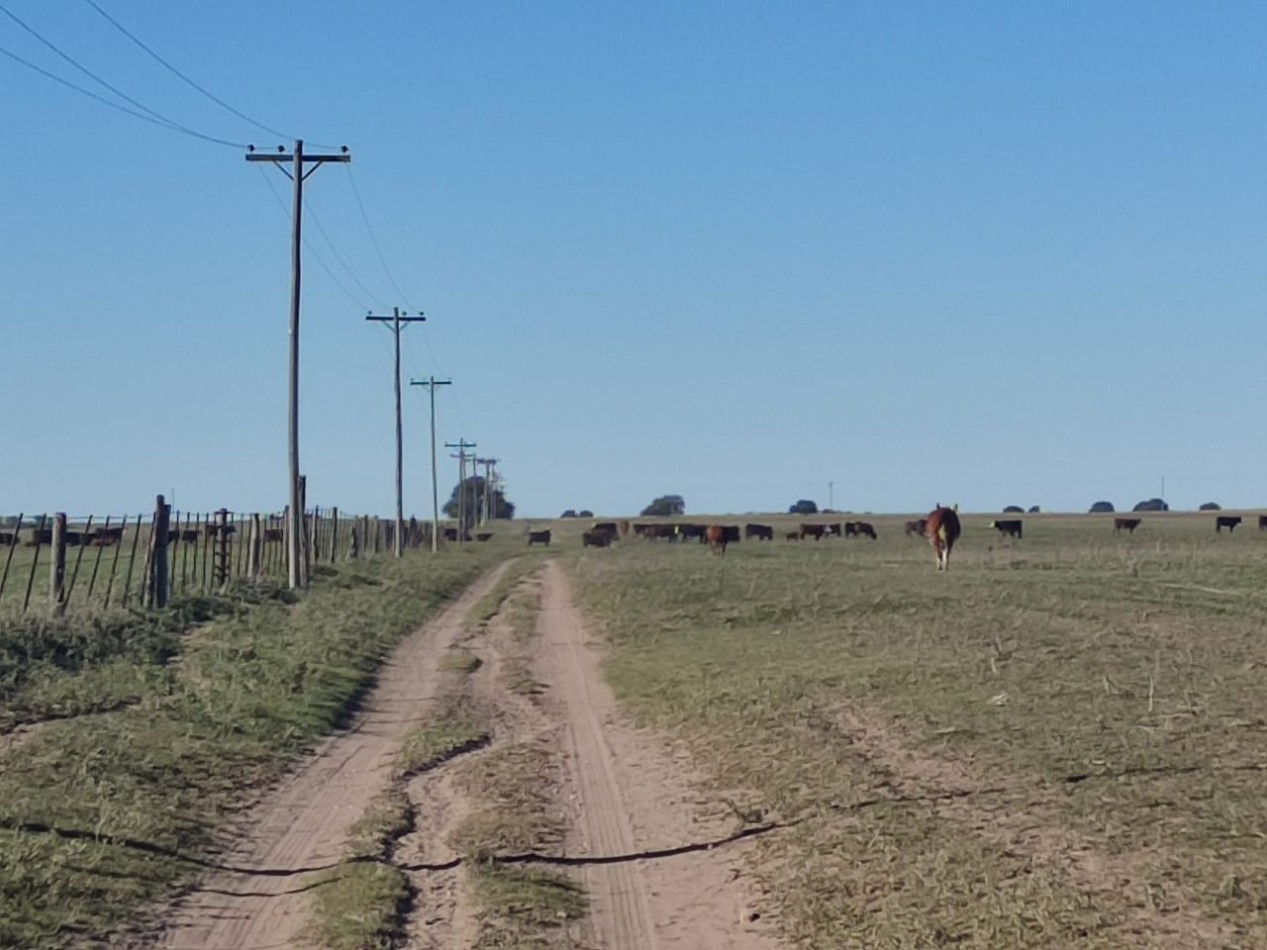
x: 253, y: 551
x: 220, y: 573
x: 157, y: 583
x: 334, y: 535
x: 305, y: 540
x: 57, y: 575
x: 35, y: 562
x: 13, y: 543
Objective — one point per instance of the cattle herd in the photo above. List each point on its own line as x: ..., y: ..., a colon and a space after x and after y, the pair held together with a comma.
x: 941, y: 528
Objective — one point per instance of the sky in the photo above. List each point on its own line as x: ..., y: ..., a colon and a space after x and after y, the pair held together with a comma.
x: 886, y: 255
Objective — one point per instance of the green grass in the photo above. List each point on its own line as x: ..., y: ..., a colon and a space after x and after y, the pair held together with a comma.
x: 459, y: 661
x: 818, y: 678
x: 525, y: 908
x: 459, y: 728
x: 102, y: 814
x: 360, y: 907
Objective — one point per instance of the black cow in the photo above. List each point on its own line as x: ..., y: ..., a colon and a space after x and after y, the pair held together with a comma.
x: 1226, y: 521
x: 688, y: 531
x: 730, y: 533
x: 598, y: 538
x: 539, y: 537
x: 762, y: 532
x: 484, y: 536
x: 1129, y: 524
x: 858, y: 529
x: 1262, y: 522
x: 1012, y: 527
x: 607, y: 526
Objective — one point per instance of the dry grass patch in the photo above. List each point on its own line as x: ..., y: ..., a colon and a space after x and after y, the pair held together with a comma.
x: 1112, y: 688
x: 525, y: 908
x: 459, y: 661
x: 514, y: 786
x: 459, y: 728
x: 360, y: 907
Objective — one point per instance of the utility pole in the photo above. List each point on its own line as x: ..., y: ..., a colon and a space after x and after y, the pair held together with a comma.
x: 488, y: 488
x: 297, y: 569
x: 431, y: 383
x: 461, y: 445
x: 830, y: 502
x: 396, y: 320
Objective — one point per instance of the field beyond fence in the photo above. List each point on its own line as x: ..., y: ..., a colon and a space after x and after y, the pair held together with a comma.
x: 51, y: 561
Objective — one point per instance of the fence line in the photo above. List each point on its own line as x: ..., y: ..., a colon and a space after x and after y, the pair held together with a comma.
x: 212, y: 549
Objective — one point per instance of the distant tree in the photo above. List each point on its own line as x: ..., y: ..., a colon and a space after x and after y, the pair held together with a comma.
x: 1013, y: 510
x: 1102, y: 507
x: 585, y: 513
x: 803, y: 507
x: 1211, y: 506
x: 1034, y: 509
x: 1152, y: 504
x: 472, y: 492
x: 570, y: 513
x: 665, y: 506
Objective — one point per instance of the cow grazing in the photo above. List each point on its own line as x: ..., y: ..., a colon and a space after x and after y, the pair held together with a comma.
x: 609, y: 526
x: 1262, y: 522
x: 484, y: 536
x: 1012, y: 527
x: 836, y: 530
x: 1226, y: 521
x: 815, y: 531
x: 1125, y: 524
x: 274, y: 534
x: 597, y: 538
x: 915, y: 528
x: 858, y: 529
x: 539, y: 537
x: 8, y: 538
x: 941, y: 527
x: 762, y: 532
x: 715, y: 535
x: 793, y: 536
x: 688, y: 531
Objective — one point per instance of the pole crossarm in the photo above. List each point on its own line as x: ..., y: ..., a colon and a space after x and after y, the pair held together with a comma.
x: 283, y: 157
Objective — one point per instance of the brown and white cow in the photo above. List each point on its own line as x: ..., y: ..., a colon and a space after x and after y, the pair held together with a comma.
x: 941, y: 527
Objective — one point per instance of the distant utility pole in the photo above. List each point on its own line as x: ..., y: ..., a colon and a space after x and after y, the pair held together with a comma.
x: 830, y: 503
x: 398, y: 320
x: 488, y: 488
x: 431, y: 383
x: 461, y: 445
x: 297, y: 569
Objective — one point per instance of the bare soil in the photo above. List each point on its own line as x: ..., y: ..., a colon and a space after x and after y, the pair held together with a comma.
x: 261, y: 899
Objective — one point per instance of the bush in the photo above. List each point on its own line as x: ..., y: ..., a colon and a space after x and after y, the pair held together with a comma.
x: 570, y: 513
x: 1152, y: 504
x: 1102, y: 507
x: 1013, y: 510
x: 1034, y: 510
x: 1211, y: 506
x: 585, y: 513
x: 803, y: 507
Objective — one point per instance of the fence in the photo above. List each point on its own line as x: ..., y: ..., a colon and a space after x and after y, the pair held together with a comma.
x: 123, y: 561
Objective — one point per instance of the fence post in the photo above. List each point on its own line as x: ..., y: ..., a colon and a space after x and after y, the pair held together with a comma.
x: 35, y: 562
x: 57, y: 575
x: 305, y: 540
x: 220, y: 573
x: 334, y: 535
x: 253, y: 551
x: 157, y: 582
x: 13, y: 543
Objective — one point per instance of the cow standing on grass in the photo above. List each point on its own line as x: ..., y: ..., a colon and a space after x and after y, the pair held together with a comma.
x: 717, y: 537
x: 941, y: 527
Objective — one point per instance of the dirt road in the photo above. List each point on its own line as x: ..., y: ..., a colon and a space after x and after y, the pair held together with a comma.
x: 304, y: 824
x: 639, y: 831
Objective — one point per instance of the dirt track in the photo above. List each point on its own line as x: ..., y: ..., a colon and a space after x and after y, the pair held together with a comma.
x: 620, y: 791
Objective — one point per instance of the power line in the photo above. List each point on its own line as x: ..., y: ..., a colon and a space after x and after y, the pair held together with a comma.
x: 374, y: 240
x: 157, y: 117
x: 308, y: 244
x: 210, y: 95
x: 339, y: 257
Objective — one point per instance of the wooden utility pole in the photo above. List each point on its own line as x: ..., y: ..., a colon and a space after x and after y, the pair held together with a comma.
x: 487, y: 514
x: 431, y: 383
x: 298, y: 573
x: 461, y: 445
x: 396, y: 320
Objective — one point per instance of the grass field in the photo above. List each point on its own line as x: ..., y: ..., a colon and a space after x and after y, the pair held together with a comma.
x: 1058, y: 743
x: 126, y: 739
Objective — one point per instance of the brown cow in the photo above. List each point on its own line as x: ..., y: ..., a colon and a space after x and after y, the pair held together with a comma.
x: 717, y: 537
x: 815, y: 531
x: 793, y: 536
x: 941, y: 527
x: 1130, y: 524
x: 915, y: 528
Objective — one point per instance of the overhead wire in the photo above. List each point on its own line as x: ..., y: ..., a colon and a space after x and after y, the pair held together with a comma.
x: 339, y: 257
x: 374, y: 240
x: 308, y: 244
x: 104, y: 101
x: 186, y: 79
x: 151, y: 115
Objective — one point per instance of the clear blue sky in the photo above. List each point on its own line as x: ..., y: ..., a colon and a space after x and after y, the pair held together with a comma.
x: 990, y: 253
